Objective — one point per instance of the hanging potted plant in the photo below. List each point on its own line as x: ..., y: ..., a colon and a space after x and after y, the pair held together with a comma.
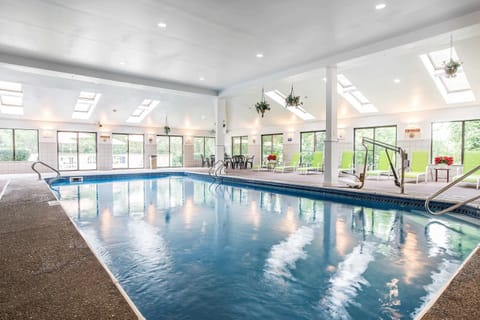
x: 262, y: 105
x: 451, y: 67
x: 292, y: 100
x: 166, y: 129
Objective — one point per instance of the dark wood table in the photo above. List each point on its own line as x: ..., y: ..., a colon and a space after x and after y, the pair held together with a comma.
x: 447, y: 169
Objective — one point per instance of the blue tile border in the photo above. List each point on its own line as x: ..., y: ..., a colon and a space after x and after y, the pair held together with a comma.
x: 349, y: 196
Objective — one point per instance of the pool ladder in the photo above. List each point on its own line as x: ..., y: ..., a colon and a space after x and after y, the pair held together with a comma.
x: 217, y: 168
x: 448, y: 186
x: 46, y: 165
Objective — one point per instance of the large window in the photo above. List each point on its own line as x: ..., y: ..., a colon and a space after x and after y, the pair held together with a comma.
x: 170, y: 151
x: 309, y: 143
x: 127, y: 150
x: 18, y: 145
x: 454, y: 138
x: 203, y: 145
x: 272, y: 144
x: 77, y: 150
x: 239, y: 145
x: 387, y: 134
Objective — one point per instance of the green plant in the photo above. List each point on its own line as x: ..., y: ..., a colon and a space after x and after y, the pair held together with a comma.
x: 451, y: 68
x: 292, y: 100
x: 262, y: 105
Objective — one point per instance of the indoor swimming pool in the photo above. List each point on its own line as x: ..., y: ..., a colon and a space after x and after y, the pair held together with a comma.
x: 184, y: 248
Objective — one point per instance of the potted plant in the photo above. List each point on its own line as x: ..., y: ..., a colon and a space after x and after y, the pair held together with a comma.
x: 292, y: 100
x: 451, y: 68
x: 262, y: 105
x: 443, y: 160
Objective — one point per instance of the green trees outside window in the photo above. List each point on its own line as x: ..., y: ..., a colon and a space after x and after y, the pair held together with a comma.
x: 77, y: 150
x: 453, y: 138
x: 272, y: 144
x: 169, y: 151
x: 239, y: 145
x: 310, y: 142
x: 387, y: 134
x: 18, y: 145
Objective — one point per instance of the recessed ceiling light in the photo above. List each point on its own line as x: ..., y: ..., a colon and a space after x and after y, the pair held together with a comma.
x: 162, y: 25
x: 259, y: 55
x: 122, y: 63
x: 380, y: 6
x: 202, y: 78
x: 396, y: 80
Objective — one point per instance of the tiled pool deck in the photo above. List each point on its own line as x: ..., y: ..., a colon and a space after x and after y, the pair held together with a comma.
x: 47, y: 267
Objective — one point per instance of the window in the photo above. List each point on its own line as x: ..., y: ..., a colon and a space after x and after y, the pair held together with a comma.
x: 170, y: 151
x: 454, y: 138
x: 309, y: 143
x: 272, y: 144
x: 77, y: 150
x: 354, y: 96
x: 127, y: 150
x: 11, y: 98
x: 384, y: 134
x: 18, y: 145
x: 203, y: 145
x: 239, y: 145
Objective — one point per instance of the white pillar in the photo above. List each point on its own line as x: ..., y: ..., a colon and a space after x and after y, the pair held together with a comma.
x: 220, y: 125
x: 331, y: 140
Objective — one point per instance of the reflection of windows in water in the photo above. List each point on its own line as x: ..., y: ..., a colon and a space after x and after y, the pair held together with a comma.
x: 270, y: 202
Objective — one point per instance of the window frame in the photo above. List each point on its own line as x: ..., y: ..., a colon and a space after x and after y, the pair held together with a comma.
x: 170, y: 150
x: 280, y: 156
x: 373, y: 146
x: 14, y: 147
x: 78, y: 153
x: 128, y: 150
x: 242, y: 138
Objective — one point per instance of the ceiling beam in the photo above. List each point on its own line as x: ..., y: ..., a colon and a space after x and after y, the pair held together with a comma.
x: 97, y: 76
x: 385, y: 43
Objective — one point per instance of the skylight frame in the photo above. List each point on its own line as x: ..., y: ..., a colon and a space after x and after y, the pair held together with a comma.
x: 279, y: 98
x: 88, y: 100
x: 437, y: 73
x: 355, y: 97
x: 11, y: 98
x: 143, y: 110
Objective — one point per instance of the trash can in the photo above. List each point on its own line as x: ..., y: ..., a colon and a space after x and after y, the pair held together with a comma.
x: 153, y: 161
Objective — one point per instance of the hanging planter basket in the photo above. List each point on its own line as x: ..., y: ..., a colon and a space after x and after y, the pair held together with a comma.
x: 166, y: 129
x: 262, y: 106
x: 292, y: 100
x: 451, y: 67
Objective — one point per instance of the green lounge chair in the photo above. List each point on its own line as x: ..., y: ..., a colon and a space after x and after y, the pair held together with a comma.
x: 294, y: 163
x: 383, y: 166
x: 471, y: 159
x: 346, y: 165
x: 418, y: 166
x: 315, y: 166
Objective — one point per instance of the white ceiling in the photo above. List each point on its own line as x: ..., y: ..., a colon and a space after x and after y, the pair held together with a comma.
x: 218, y: 40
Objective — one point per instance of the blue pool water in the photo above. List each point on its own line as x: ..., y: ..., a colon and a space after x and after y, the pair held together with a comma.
x: 187, y: 249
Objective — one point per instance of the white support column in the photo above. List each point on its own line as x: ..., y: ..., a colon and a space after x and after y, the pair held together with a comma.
x: 331, y: 140
x: 220, y: 123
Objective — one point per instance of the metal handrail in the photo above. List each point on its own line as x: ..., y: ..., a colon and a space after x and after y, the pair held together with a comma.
x: 448, y: 186
x: 46, y: 165
x: 215, y: 170
x: 403, y: 157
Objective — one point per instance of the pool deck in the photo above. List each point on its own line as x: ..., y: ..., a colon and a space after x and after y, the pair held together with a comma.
x: 49, y: 272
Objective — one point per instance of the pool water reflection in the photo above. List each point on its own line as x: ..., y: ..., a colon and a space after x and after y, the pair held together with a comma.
x: 186, y: 249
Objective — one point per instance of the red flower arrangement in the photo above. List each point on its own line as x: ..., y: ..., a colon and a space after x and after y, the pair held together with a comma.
x: 444, y: 159
x: 272, y: 157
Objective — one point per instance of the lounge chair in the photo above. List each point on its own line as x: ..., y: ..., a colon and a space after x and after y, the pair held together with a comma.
x: 294, y: 163
x: 418, y: 166
x: 471, y: 159
x: 383, y: 166
x: 315, y: 166
x: 346, y: 165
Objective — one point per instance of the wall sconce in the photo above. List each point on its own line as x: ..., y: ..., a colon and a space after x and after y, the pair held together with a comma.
x: 105, y: 137
x: 340, y: 133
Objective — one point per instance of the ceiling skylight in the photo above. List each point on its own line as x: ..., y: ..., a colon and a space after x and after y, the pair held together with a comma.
x: 11, y: 98
x: 86, y: 102
x: 142, y: 110
x: 455, y: 89
x: 356, y: 98
x: 279, y: 98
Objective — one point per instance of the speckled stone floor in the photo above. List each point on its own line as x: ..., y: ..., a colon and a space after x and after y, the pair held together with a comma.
x: 47, y: 269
